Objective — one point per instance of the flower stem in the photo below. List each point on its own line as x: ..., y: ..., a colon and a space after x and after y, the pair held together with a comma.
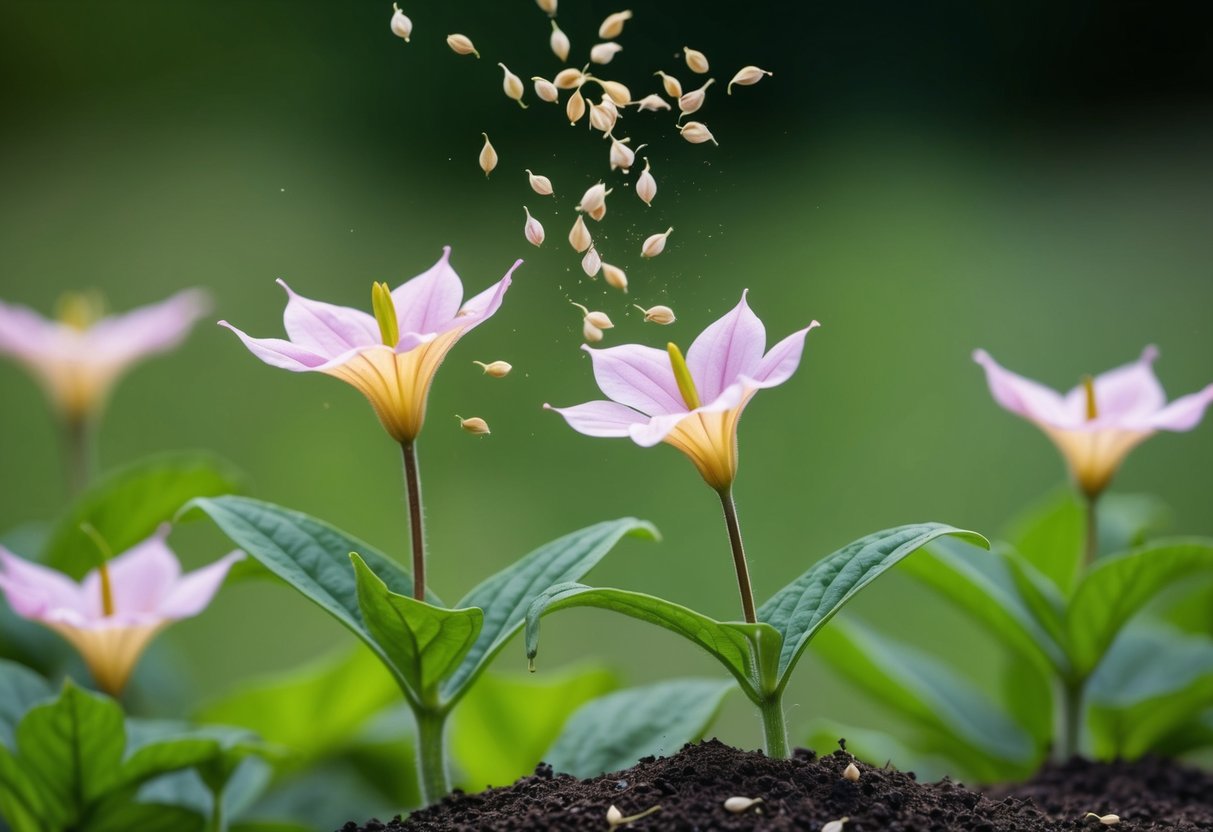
x: 218, y: 821
x: 1068, y: 731
x: 1091, y: 550
x: 739, y: 561
x: 412, y: 482
x: 431, y: 755
x: 774, y: 728
x: 78, y: 452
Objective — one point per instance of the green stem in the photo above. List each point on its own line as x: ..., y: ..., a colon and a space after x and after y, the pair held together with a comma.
x: 78, y: 452
x: 775, y: 728
x: 412, y: 482
x: 218, y: 822
x: 1068, y: 732
x: 1091, y: 542
x: 739, y: 559
x: 431, y: 755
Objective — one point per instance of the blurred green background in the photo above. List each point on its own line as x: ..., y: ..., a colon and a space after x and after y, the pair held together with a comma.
x: 922, y: 178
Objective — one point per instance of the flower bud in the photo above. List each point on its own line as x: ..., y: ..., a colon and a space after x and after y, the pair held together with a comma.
x: 646, y: 185
x: 402, y: 27
x: 579, y: 236
x: 495, y: 369
x: 545, y: 90
x: 488, y: 156
x: 696, y: 132
x: 533, y: 230
x: 618, y: 93
x: 474, y: 425
x: 511, y: 84
x: 461, y: 45
x: 604, y: 115
x: 737, y: 805
x: 590, y: 333
x: 696, y: 60
x: 548, y: 6
x: 594, y: 197
x: 652, y: 103
x: 615, y: 277
x: 673, y: 87
x: 693, y: 100
x: 559, y: 42
x: 662, y: 315
x: 655, y: 244
x: 574, y: 108
x: 835, y: 825
x: 612, y: 27
x: 602, y: 53
x: 569, y: 78
x: 591, y: 264
x: 851, y: 772
x: 539, y: 184
x: 746, y: 76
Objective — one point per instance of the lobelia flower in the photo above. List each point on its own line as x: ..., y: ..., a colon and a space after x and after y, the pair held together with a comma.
x: 112, y: 615
x: 692, y: 404
x: 391, y: 356
x: 78, y: 358
x: 1096, y: 424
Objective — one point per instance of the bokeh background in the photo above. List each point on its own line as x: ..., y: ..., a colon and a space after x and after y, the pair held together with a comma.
x: 923, y: 178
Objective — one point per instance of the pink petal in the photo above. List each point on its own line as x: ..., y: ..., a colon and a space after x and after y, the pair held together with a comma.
x: 430, y: 300
x: 654, y: 430
x: 782, y: 360
x: 1127, y: 396
x: 639, y: 377
x: 32, y: 589
x: 24, y: 333
x: 141, y: 576
x: 484, y: 305
x: 1184, y: 413
x: 729, y: 348
x: 327, y: 329
x: 149, y: 329
x: 600, y: 418
x: 279, y: 353
x: 194, y: 592
x: 1025, y: 397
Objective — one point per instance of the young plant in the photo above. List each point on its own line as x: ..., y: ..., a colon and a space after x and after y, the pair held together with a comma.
x: 694, y: 404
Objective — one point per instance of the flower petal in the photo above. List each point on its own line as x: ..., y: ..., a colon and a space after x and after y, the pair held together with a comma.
x: 729, y: 348
x: 25, y: 334
x: 26, y: 582
x: 483, y: 306
x: 1126, y: 396
x: 140, y: 577
x: 600, y: 418
x: 637, y: 376
x: 194, y: 592
x: 325, y: 328
x: 1024, y: 397
x: 148, y: 329
x: 1184, y: 413
x: 782, y: 359
x: 430, y: 300
x: 279, y: 353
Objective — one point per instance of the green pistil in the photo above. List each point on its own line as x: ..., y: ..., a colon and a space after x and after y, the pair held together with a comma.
x: 385, y: 314
x: 682, y: 375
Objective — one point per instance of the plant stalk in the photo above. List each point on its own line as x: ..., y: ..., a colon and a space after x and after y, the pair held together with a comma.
x: 78, y: 452
x: 412, y: 482
x: 739, y: 560
x: 431, y: 755
x: 1091, y: 550
x: 774, y: 728
x: 1068, y: 732
x: 218, y: 821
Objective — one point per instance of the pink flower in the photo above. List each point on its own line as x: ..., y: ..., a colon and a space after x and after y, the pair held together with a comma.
x: 391, y: 356
x: 695, y: 404
x: 78, y: 358
x: 112, y: 615
x: 1096, y: 424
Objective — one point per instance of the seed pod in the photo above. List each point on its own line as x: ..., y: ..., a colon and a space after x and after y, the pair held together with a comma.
x: 615, y: 277
x: 696, y: 60
x: 594, y: 196
x: 461, y: 45
x: 593, y: 335
x: 622, y: 156
x: 652, y: 103
x: 569, y: 78
x: 646, y: 185
x: 835, y: 825
x: 574, y: 108
x: 545, y: 90
x: 533, y: 229
x: 603, y: 115
x: 612, y: 27
x: 488, y: 156
x: 559, y: 42
x: 495, y: 369
x: 662, y: 315
x: 548, y: 6
x: 737, y: 805
x: 603, y: 53
x: 474, y: 425
x: 746, y: 76
x: 696, y: 132
x: 655, y: 244
x: 539, y: 184
x: 579, y: 236
x: 591, y: 264
x: 402, y: 27
x: 618, y: 93
x: 851, y: 772
x: 673, y: 87
x: 511, y: 84
x: 693, y: 100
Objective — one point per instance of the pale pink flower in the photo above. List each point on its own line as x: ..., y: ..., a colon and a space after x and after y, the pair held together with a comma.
x: 1097, y: 423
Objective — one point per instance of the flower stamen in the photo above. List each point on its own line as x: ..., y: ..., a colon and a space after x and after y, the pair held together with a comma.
x: 682, y: 375
x: 385, y: 314
x: 103, y: 572
x: 1088, y: 384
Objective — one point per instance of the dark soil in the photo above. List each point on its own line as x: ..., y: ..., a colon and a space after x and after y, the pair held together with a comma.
x: 808, y: 791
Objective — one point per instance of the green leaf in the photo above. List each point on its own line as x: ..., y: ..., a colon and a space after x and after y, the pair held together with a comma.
x: 128, y: 505
x: 1127, y: 521
x: 1116, y: 587
x: 505, y: 596
x: 506, y: 722
x: 20, y: 689
x: 734, y: 644
x: 802, y: 607
x: 1039, y: 594
x: 424, y: 643
x: 123, y: 815
x: 23, y: 804
x: 614, y: 731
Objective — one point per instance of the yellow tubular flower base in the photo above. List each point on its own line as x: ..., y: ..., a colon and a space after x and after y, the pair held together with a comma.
x: 111, y: 653
x: 710, y: 441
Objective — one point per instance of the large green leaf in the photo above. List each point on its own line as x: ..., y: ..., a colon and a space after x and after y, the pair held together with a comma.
x: 20, y: 689
x: 1038, y: 593
x: 734, y: 644
x: 614, y: 731
x: 424, y: 643
x: 22, y: 802
x: 123, y: 815
x: 1116, y: 587
x: 505, y: 596
x: 129, y: 504
x: 802, y: 607
x: 506, y: 722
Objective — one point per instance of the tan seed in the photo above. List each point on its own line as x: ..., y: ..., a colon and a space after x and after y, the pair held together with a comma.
x: 569, y: 78
x: 835, y: 825
x: 622, y: 157
x: 737, y: 805
x: 646, y: 185
x: 604, y: 115
x: 579, y: 236
x: 533, y: 230
x: 591, y: 264
x: 653, y: 103
x: 402, y: 27
x: 696, y: 60
x: 618, y: 93
x: 594, y: 196
x: 612, y: 27
x: 539, y: 184
x: 548, y: 6
x: 693, y: 100
x: 696, y: 132
x: 474, y: 425
x: 559, y: 42
x: 574, y: 108
x: 461, y: 45
x: 746, y: 76
x: 655, y: 244
x: 495, y: 369
x: 598, y: 319
x: 851, y: 772
x: 488, y: 156
x: 673, y: 87
x: 604, y: 53
x: 615, y: 277
x: 511, y: 84
x: 593, y: 335
x: 545, y: 90
x: 662, y: 315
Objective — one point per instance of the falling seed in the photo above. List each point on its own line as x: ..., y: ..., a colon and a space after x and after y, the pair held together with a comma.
x: 612, y: 27
x: 646, y: 185
x: 461, y: 45
x: 696, y: 132
x: 693, y: 100
x: 622, y: 156
x: 615, y: 277
x: 511, y: 84
x: 652, y: 103
x: 603, y: 53
x: 590, y: 333
x: 548, y: 6
x: 673, y: 87
x: 619, y: 93
x: 598, y: 213
x: 495, y: 369
x: 574, y: 108
x: 569, y: 78
x: 737, y: 805
x: 655, y: 244
x: 545, y: 90
x: 488, y: 156
x: 559, y: 42
x: 594, y: 196
x: 533, y: 230
x: 662, y: 315
x: 603, y: 115
x: 696, y: 60
x: 474, y: 425
x: 1106, y: 820
x: 835, y: 825
x: 747, y: 76
x: 539, y: 184
x: 851, y: 772
x: 591, y: 264
x: 402, y: 27
x: 579, y: 236
x: 598, y: 319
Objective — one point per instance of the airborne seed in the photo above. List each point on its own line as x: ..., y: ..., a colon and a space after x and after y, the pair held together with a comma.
x: 475, y: 425
x: 402, y: 27
x: 696, y: 60
x: 559, y: 42
x: 612, y: 27
x: 615, y: 277
x: 569, y: 78
x: 579, y: 236
x: 495, y: 369
x: 646, y: 185
x: 655, y: 244
x: 545, y: 90
x: 603, y: 53
x: 746, y: 76
x: 539, y: 184
x: 461, y: 45
x: 696, y: 132
x: 618, y: 93
x: 673, y: 87
x: 511, y: 84
x: 662, y: 315
x: 591, y: 264
x: 548, y: 6
x: 692, y: 101
x: 652, y: 103
x: 533, y: 230
x: 574, y: 108
x: 488, y: 156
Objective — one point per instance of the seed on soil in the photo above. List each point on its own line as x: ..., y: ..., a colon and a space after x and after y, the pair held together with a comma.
x: 851, y: 772
x: 737, y: 805
x: 616, y: 817
x: 1106, y: 820
x: 495, y: 369
x: 835, y: 825
x: 461, y: 45
x: 612, y: 27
